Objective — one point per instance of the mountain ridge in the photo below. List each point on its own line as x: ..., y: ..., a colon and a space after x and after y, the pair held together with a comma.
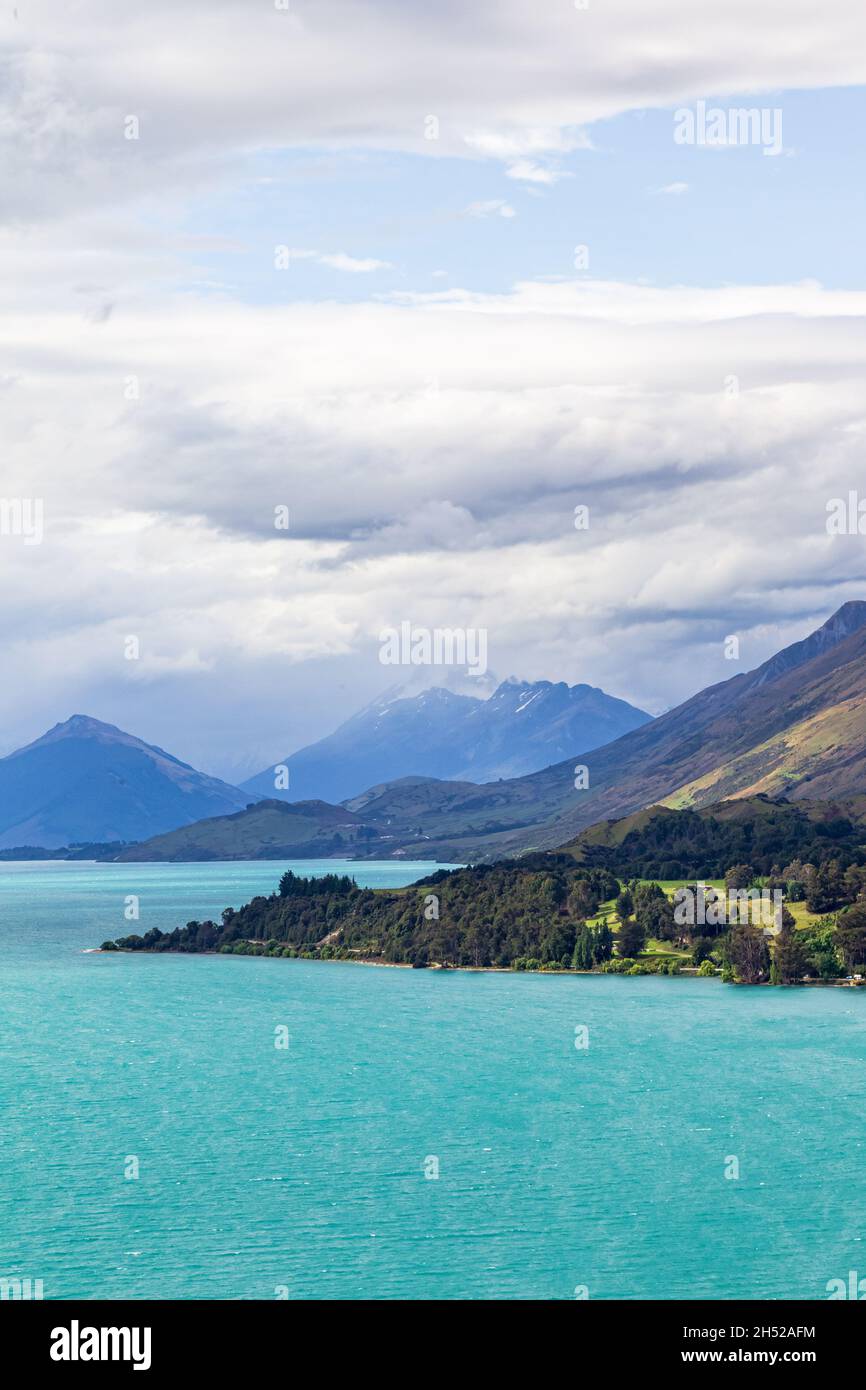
x: 794, y: 728
x: 825, y: 671
x: 87, y: 781
x: 521, y: 727
x: 268, y: 829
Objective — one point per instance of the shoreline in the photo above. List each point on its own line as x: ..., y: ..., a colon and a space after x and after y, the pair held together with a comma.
x: 687, y: 973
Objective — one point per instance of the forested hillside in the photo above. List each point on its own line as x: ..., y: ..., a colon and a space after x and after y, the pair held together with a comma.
x: 489, y: 915
x: 801, y: 921
x: 668, y: 844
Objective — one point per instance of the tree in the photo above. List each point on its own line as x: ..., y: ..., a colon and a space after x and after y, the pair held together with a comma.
x: 827, y: 889
x: 474, y: 945
x: 602, y: 943
x: 702, y: 949
x: 631, y: 939
x: 657, y: 918
x: 855, y: 882
x: 694, y: 902
x: 645, y: 894
x: 584, y: 954
x: 820, y: 943
x: 583, y: 899
x: 789, y: 956
x: 653, y: 911
x: 740, y: 876
x: 558, y: 943
x: 624, y: 905
x: 851, y: 935
x: 774, y: 883
x: 747, y: 954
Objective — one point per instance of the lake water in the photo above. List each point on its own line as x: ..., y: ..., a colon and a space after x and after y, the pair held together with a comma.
x: 303, y: 1169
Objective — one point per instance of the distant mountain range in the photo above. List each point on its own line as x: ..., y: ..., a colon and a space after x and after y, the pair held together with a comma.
x: 795, y: 726
x: 88, y: 781
x: 522, y: 727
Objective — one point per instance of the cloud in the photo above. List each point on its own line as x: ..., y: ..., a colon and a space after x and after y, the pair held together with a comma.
x: 492, y: 207
x: 501, y: 81
x: 431, y: 448
x: 528, y: 172
x: 519, y: 150
x: 338, y: 260
x: 431, y: 451
x: 674, y: 188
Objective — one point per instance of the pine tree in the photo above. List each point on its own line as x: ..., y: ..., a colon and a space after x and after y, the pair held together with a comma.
x: 584, y: 956
x: 789, y: 958
x: 602, y: 946
x: 851, y: 935
x: 624, y: 905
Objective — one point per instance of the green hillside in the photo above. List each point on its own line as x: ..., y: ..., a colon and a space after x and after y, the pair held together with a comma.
x: 667, y: 844
x: 267, y: 830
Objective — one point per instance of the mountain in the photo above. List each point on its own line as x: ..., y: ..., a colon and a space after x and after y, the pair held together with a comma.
x: 791, y: 731
x: 267, y: 830
x: 274, y: 829
x: 522, y: 727
x: 384, y: 741
x: 795, y: 726
x: 88, y: 781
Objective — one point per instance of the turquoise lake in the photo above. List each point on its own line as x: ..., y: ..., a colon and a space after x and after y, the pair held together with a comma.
x: 303, y: 1169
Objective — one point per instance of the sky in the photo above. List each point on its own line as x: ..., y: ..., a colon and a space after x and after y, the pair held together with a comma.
x: 422, y: 280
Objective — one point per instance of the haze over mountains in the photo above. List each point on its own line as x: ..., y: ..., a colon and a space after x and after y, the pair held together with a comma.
x: 523, y: 726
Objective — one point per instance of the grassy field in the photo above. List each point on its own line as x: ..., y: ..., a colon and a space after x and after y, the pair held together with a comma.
x: 802, y: 917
